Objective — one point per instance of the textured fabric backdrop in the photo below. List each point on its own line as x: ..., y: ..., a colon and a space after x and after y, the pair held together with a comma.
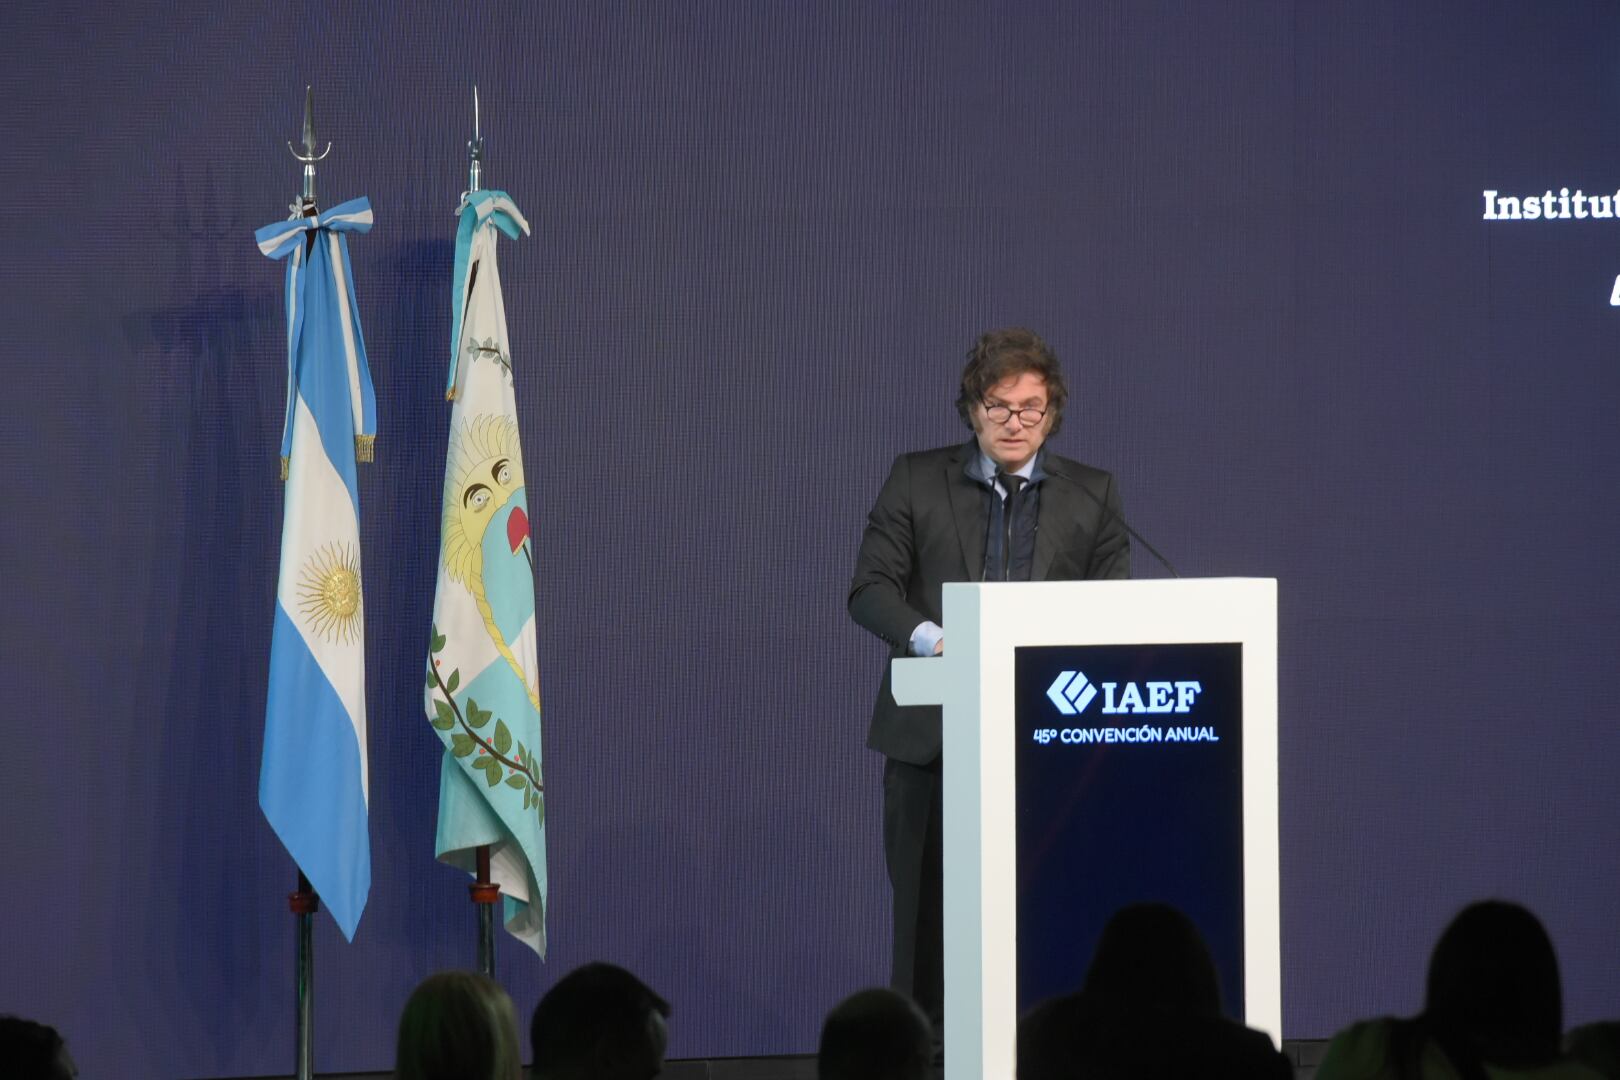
x: 764, y: 236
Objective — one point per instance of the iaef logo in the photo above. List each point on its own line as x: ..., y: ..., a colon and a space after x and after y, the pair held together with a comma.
x: 1072, y: 692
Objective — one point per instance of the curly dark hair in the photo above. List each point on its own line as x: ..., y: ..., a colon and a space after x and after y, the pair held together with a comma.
x: 1008, y: 353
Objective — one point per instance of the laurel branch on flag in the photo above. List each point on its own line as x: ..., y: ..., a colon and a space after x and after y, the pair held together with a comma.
x: 492, y: 753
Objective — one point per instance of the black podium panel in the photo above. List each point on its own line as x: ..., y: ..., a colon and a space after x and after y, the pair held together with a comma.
x: 1130, y: 788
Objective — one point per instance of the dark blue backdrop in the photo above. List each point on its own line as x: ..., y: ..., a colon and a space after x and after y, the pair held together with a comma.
x: 764, y: 235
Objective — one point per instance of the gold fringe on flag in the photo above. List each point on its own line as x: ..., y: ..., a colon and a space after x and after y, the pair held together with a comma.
x: 284, y: 468
x: 365, y: 449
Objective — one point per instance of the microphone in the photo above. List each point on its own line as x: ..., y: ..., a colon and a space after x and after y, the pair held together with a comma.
x: 1113, y: 512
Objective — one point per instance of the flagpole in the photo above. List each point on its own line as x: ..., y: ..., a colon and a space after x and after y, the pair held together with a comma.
x: 304, y: 903
x: 485, y: 893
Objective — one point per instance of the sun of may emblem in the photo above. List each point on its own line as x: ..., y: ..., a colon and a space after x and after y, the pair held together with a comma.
x: 329, y: 593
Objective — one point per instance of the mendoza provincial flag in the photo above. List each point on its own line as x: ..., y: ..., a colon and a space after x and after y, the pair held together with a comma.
x: 483, y: 684
x: 312, y: 782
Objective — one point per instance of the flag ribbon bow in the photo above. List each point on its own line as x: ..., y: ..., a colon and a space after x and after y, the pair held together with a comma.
x: 328, y: 249
x: 477, y: 208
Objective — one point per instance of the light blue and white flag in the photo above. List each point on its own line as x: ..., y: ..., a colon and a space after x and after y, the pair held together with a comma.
x: 312, y: 782
x: 483, y: 683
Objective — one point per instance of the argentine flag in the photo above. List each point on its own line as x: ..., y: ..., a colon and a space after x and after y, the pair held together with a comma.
x: 312, y: 782
x: 483, y: 681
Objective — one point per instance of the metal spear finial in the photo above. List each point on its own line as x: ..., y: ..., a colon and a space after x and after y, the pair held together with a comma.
x: 475, y: 152
x: 309, y: 157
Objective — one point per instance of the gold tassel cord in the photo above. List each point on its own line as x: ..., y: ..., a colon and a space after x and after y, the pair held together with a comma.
x: 365, y: 448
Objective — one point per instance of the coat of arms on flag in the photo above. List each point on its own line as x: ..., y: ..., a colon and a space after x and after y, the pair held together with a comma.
x: 483, y: 685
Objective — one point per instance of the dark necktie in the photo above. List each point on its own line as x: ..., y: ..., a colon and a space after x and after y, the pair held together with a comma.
x: 1011, y: 483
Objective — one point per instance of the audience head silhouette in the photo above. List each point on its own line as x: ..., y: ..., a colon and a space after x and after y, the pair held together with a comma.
x: 1150, y: 1009
x: 1151, y: 956
x: 1493, y: 1008
x: 876, y: 1035
x: 458, y: 1025
x: 33, y: 1051
x: 599, y: 1023
x: 1493, y: 987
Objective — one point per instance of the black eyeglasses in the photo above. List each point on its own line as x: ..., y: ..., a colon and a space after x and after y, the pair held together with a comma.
x: 1000, y: 414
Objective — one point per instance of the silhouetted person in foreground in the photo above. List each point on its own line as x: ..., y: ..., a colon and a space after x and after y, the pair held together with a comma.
x: 876, y: 1035
x: 1494, y: 1011
x: 1150, y: 1009
x: 458, y: 1025
x: 33, y: 1051
x: 599, y: 1023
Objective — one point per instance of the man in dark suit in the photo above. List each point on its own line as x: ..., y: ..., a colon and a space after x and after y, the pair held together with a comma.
x: 997, y: 508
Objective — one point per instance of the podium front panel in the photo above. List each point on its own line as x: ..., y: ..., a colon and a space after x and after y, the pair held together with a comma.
x: 1192, y: 814
x: 1129, y: 766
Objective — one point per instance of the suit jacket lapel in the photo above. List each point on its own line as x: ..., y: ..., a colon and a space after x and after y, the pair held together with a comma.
x: 968, y: 508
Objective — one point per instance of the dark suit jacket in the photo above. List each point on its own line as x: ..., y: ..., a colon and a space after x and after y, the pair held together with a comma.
x: 928, y: 527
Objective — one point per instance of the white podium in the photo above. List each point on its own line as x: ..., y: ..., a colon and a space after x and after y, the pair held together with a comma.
x: 1141, y: 719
